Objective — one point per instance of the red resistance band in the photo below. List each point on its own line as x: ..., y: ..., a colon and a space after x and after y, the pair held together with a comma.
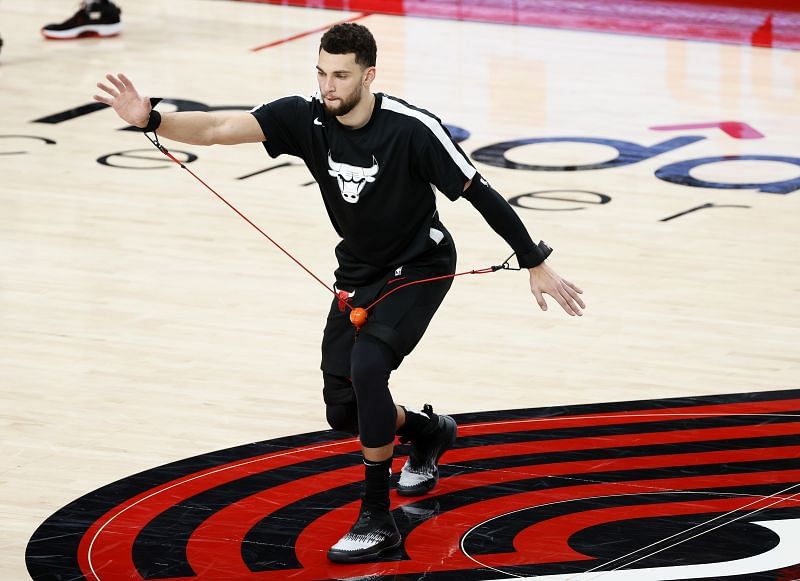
x: 358, y: 315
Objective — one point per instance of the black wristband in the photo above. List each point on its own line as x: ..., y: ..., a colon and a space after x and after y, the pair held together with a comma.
x: 534, y: 257
x: 152, y: 122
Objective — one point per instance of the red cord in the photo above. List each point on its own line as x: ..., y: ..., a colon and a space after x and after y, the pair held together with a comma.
x: 432, y: 279
x: 246, y: 219
x: 343, y: 302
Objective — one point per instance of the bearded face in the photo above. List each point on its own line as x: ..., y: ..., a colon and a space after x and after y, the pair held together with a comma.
x: 339, y: 105
x: 343, y: 83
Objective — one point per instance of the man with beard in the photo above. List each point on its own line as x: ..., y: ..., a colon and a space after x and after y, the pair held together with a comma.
x: 376, y: 160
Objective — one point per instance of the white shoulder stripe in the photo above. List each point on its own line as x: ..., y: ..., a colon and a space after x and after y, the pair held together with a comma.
x: 435, y: 128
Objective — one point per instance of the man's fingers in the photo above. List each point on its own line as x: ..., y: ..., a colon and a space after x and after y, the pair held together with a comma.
x: 563, y: 291
x: 574, y: 301
x: 566, y: 304
x: 102, y: 99
x: 116, y: 82
x: 126, y: 82
x: 108, y: 90
x: 573, y: 293
x: 539, y: 299
x: 574, y: 287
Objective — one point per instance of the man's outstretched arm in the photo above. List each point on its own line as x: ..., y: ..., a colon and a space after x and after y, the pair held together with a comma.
x: 501, y: 217
x: 195, y: 127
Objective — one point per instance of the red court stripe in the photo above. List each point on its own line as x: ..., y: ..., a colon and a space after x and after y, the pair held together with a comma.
x: 218, y: 539
x: 432, y: 541
x: 441, y: 533
x: 139, y: 510
x: 135, y: 514
x: 170, y: 493
x: 735, y: 129
x: 677, y: 436
x: 435, y: 544
x: 560, y: 529
x: 302, y: 34
x: 583, y: 469
x: 238, y: 518
x: 632, y: 417
x: 114, y: 547
x: 211, y: 542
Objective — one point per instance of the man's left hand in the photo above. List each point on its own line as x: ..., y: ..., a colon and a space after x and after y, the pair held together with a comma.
x: 545, y: 280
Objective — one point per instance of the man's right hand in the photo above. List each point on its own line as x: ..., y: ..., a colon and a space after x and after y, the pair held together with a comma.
x: 195, y: 127
x: 125, y: 100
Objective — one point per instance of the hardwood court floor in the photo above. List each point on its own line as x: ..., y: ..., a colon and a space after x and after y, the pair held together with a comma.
x: 141, y: 322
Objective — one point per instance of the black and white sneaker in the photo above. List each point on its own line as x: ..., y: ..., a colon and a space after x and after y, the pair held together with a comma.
x: 92, y: 19
x: 374, y: 534
x: 421, y: 471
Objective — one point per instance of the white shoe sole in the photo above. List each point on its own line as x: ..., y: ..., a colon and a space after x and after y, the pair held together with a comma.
x: 86, y: 30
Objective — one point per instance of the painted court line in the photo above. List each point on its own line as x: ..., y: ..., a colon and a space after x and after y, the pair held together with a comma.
x: 308, y: 32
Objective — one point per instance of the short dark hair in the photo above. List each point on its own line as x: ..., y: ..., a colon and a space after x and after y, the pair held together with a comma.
x: 350, y: 37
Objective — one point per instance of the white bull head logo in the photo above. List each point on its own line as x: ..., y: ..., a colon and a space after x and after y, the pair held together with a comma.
x: 352, y: 178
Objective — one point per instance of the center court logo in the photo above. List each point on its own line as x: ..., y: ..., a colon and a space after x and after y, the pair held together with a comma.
x: 700, y: 488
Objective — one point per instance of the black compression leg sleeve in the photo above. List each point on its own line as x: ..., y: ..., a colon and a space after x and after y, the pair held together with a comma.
x: 343, y: 417
x: 371, y: 363
x: 340, y: 403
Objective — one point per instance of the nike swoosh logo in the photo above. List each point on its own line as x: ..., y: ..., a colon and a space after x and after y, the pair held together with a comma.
x: 317, y: 121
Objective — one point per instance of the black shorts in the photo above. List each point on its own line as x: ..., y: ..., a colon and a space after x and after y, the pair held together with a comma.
x: 400, y: 319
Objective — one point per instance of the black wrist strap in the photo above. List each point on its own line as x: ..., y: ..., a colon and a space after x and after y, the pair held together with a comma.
x: 152, y: 122
x: 534, y: 257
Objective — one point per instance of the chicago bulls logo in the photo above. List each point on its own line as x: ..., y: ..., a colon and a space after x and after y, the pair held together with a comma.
x: 352, y: 178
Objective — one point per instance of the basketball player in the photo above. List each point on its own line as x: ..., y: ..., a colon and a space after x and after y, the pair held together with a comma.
x: 376, y: 160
